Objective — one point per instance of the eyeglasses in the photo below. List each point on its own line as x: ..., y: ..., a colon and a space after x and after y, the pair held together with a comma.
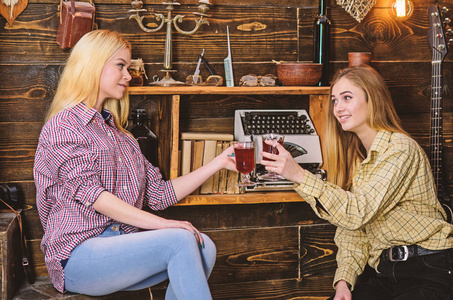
x: 213, y: 80
x: 253, y: 80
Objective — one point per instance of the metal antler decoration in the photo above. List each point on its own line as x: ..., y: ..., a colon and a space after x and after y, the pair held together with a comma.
x: 203, y: 8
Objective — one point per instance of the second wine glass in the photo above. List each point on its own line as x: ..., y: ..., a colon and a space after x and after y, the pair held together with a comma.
x: 274, y: 137
x: 244, y: 153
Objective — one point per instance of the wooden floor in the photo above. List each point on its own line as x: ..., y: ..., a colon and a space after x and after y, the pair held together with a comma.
x: 43, y: 289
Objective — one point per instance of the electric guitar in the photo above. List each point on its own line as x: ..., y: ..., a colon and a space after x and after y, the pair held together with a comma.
x: 437, y: 42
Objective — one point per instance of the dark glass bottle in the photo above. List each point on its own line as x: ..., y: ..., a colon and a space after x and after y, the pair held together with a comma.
x: 321, y: 42
x: 146, y: 138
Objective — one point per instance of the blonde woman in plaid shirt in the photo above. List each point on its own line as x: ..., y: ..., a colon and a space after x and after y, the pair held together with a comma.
x: 92, y: 182
x: 380, y: 194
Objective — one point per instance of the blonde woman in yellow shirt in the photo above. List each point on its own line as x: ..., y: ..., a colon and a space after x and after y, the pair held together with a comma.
x: 380, y: 194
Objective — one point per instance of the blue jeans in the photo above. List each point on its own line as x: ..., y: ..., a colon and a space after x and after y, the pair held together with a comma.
x: 115, y: 261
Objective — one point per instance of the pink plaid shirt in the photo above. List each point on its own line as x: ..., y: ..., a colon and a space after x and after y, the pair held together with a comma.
x: 80, y: 154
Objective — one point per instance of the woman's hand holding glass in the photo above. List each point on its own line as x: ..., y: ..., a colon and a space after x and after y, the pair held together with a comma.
x: 283, y: 163
x: 227, y: 159
x: 186, y: 184
x: 275, y: 138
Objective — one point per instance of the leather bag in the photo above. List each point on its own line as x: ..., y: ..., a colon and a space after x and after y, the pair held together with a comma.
x: 76, y: 19
x: 9, y: 199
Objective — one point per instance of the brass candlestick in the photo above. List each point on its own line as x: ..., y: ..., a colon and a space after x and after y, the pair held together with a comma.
x: 203, y: 8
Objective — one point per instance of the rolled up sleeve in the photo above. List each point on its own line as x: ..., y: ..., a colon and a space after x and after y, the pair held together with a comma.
x: 160, y: 193
x: 75, y: 165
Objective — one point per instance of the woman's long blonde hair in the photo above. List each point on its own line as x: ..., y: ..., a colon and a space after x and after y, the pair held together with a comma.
x: 344, y: 150
x: 81, y: 76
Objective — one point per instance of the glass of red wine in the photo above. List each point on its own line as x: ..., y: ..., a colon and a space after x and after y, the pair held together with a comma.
x: 244, y: 153
x: 274, y: 137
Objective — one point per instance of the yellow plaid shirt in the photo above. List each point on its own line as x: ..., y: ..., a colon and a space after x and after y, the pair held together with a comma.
x: 392, y: 201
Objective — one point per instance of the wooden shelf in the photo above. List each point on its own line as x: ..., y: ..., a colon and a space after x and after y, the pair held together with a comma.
x: 169, y: 133
x: 247, y: 198
x: 222, y: 90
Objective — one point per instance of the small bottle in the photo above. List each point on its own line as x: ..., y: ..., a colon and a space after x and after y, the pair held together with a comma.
x: 146, y: 139
x: 321, y: 37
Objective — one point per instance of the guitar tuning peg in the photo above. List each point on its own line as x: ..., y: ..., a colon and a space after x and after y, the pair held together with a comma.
x: 449, y: 31
x: 444, y: 9
x: 447, y: 21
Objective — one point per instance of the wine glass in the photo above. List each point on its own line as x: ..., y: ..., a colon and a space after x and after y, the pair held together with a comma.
x: 244, y: 153
x: 274, y: 137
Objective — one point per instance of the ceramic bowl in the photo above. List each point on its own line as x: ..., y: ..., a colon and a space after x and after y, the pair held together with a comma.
x: 299, y: 73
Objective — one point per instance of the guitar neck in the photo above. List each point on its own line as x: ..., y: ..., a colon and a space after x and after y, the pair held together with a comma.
x: 436, y: 121
x: 437, y: 42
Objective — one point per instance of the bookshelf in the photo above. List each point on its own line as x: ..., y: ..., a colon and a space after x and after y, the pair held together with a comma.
x: 169, y: 109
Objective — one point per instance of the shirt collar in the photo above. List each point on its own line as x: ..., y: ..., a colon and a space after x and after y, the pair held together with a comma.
x: 86, y: 115
x: 379, y: 145
x: 381, y: 141
x: 106, y: 115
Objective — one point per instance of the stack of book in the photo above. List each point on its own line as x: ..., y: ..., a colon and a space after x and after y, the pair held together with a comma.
x: 198, y: 149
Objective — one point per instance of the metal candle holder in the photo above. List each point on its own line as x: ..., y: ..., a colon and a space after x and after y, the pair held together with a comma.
x: 203, y: 8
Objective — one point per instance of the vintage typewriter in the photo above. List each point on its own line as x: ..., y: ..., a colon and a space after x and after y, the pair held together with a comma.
x: 301, y: 140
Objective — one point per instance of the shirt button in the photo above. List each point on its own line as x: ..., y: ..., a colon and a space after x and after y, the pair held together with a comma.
x: 115, y: 228
x: 120, y: 160
x: 125, y: 188
x: 109, y: 134
x: 304, y: 190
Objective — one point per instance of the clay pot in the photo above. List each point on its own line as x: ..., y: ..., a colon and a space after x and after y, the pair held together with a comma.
x: 299, y: 73
x: 359, y: 58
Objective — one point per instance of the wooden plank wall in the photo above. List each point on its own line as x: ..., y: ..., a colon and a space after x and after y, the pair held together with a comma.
x: 274, y: 250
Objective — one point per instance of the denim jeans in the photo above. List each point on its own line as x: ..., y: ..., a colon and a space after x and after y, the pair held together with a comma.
x: 427, y: 277
x: 115, y: 261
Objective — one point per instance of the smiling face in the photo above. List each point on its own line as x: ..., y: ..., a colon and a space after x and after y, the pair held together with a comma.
x: 350, y: 107
x: 115, y: 76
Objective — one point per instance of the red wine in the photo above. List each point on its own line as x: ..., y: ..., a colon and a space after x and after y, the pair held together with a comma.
x: 245, y: 159
x: 270, y: 149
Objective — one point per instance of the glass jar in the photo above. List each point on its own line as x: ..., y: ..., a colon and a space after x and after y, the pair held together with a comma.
x: 137, y: 71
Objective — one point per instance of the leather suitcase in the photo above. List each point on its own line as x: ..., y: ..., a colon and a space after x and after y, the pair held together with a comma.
x: 10, y: 255
x: 76, y: 19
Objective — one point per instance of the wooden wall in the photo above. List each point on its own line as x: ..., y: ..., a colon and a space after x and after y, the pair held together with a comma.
x: 275, y: 250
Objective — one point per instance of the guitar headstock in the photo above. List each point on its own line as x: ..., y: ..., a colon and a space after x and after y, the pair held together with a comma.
x: 447, y: 15
x: 436, y: 33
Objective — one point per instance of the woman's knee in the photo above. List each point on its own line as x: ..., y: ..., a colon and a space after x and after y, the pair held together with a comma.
x: 181, y: 241
x: 186, y: 238
x: 183, y: 236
